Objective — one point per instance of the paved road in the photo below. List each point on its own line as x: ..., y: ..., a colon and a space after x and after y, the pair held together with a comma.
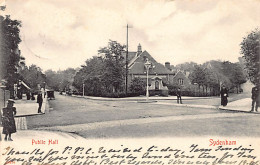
x: 102, y: 119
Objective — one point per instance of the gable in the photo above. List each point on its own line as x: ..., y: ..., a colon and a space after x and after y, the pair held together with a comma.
x: 131, y: 55
x: 181, y: 75
x: 136, y: 65
x: 142, y: 58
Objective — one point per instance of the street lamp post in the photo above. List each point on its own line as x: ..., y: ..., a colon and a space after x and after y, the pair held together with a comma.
x: 147, y: 65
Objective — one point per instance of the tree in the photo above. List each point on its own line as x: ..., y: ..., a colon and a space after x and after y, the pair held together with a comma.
x: 90, y: 74
x: 187, y: 66
x: 238, y: 77
x: 61, y: 80
x: 79, y: 79
x: 250, y: 48
x: 198, y: 76
x: 211, y: 80
x: 103, y: 74
x: 224, y: 72
x: 67, y: 77
x: 113, y: 76
x: 235, y: 74
x: 10, y: 54
x: 33, y: 76
x: 138, y: 86
x: 53, y: 79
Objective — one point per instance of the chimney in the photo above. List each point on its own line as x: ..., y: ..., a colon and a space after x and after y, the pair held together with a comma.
x: 139, y: 49
x: 168, y: 65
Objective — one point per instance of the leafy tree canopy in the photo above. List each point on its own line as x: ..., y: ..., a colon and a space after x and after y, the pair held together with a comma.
x: 61, y: 80
x: 32, y: 76
x: 103, y: 74
x: 10, y: 53
x: 250, y: 48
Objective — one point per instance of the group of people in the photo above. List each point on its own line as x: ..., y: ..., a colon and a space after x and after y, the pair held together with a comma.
x: 224, y: 97
x: 223, y: 94
x: 255, y: 97
x: 7, y: 117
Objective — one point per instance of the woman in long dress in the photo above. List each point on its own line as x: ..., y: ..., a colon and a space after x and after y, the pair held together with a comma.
x: 224, y: 96
x: 8, y: 120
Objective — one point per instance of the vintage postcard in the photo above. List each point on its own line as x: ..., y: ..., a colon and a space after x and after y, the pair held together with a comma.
x: 159, y: 82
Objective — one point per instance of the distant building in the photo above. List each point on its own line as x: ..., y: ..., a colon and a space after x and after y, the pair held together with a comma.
x: 157, y: 71
x: 180, y: 79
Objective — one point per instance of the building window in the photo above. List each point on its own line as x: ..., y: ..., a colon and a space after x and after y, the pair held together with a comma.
x: 180, y: 81
x: 145, y: 58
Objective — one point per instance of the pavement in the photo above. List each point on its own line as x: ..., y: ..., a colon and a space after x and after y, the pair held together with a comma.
x: 26, y: 135
x: 141, y: 98
x: 25, y: 108
x: 242, y: 105
x: 30, y: 107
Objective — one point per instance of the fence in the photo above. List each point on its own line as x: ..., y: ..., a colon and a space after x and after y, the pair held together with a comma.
x: 4, y: 95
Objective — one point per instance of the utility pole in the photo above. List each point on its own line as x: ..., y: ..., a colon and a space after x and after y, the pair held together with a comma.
x: 126, y: 61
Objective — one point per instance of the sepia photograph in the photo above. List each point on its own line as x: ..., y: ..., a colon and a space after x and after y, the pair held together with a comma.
x: 98, y: 82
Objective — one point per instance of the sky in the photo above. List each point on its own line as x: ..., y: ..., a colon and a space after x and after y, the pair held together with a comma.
x: 57, y: 34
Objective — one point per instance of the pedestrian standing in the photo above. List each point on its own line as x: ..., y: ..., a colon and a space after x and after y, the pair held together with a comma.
x: 43, y: 92
x: 255, y: 98
x: 224, y: 96
x: 28, y: 95
x: 179, y: 101
x: 8, y: 120
x: 39, y: 101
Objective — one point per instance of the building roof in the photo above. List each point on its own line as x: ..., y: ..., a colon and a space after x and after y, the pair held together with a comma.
x: 26, y: 86
x: 131, y: 55
x: 136, y: 65
x: 180, y: 73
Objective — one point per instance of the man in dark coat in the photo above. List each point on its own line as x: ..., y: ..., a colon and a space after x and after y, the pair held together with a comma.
x: 28, y: 96
x: 255, y: 98
x: 8, y: 120
x: 179, y: 96
x: 39, y: 101
x: 224, y: 96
